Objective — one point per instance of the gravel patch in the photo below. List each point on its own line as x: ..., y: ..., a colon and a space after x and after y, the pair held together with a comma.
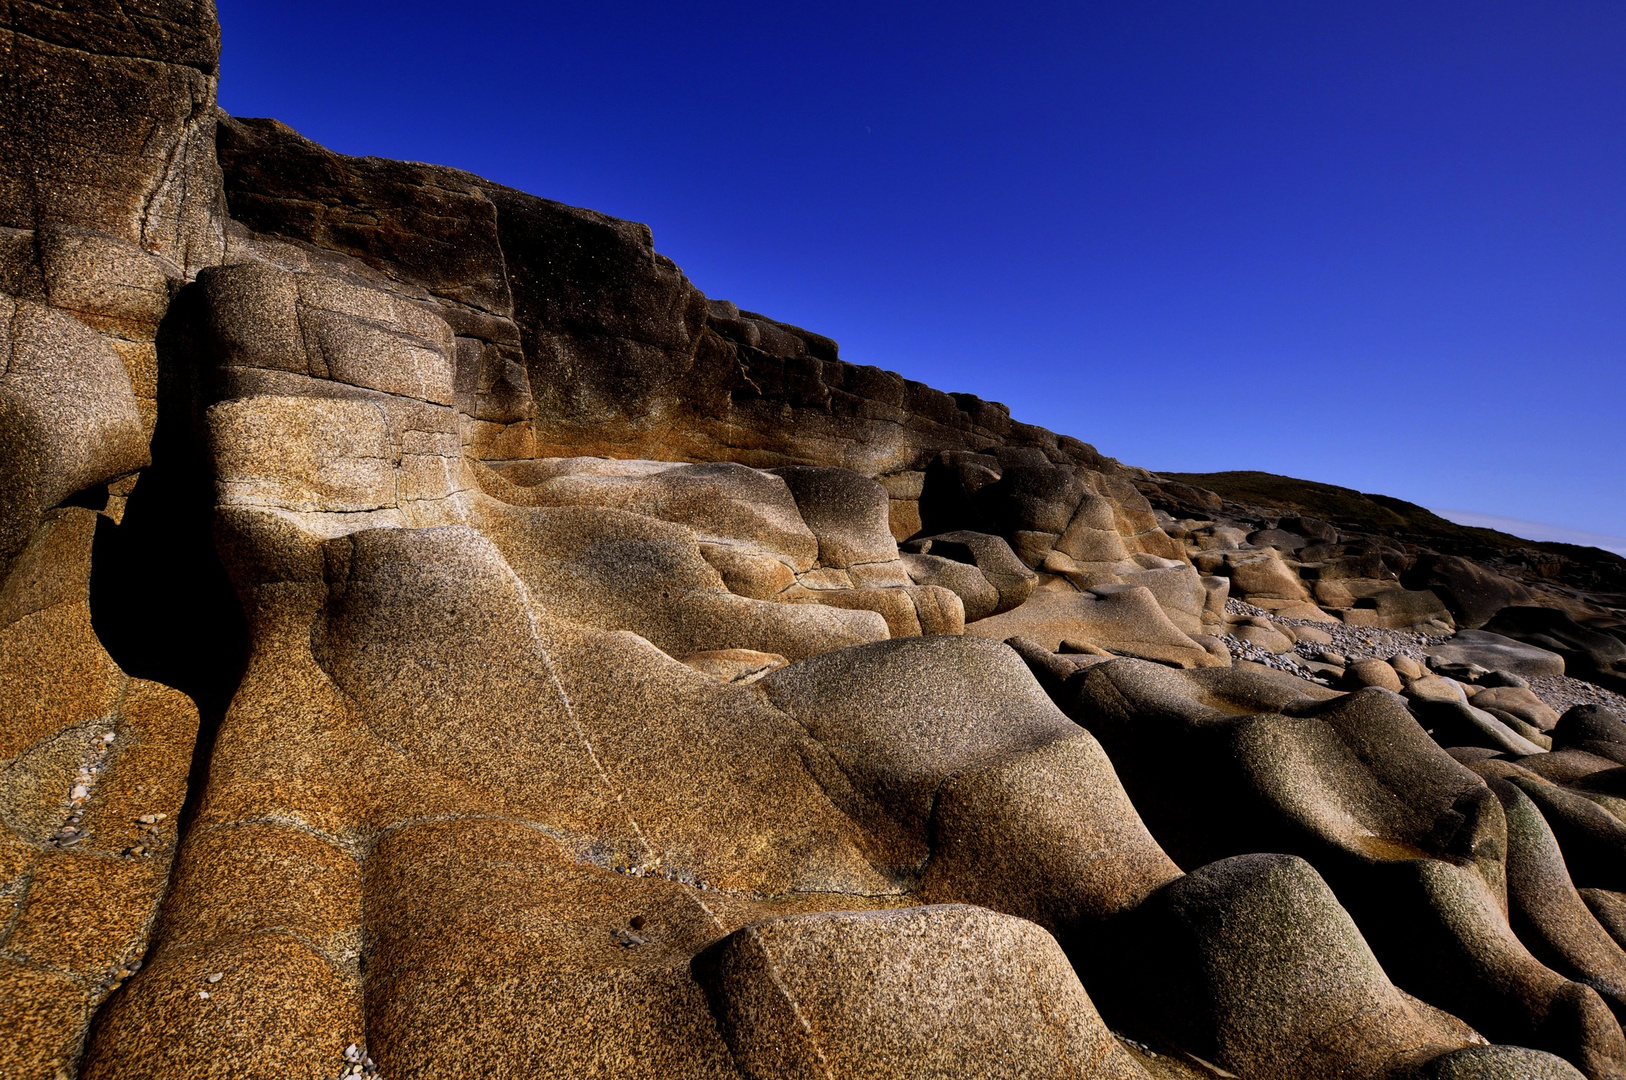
x: 90, y: 770
x: 1369, y: 642
x: 1288, y: 662
x: 357, y: 1064
x: 1561, y: 692
x: 1349, y: 642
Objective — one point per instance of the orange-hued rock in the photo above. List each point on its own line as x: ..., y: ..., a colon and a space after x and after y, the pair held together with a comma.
x: 92, y: 782
x: 930, y: 991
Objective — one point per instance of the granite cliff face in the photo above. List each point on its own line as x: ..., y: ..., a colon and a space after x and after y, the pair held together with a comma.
x: 439, y: 640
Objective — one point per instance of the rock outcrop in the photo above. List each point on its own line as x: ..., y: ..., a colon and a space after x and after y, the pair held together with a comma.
x: 437, y: 638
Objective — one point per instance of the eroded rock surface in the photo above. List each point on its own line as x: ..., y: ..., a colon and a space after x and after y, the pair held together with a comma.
x: 437, y: 638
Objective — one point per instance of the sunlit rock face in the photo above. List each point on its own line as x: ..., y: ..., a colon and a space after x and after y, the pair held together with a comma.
x: 438, y: 640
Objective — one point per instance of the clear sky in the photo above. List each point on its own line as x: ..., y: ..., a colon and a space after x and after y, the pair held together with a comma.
x: 1379, y: 244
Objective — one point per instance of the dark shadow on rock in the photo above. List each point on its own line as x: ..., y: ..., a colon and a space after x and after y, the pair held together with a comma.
x: 160, y: 601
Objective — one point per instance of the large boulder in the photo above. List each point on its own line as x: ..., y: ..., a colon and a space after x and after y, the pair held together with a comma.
x: 1251, y: 964
x: 1125, y: 619
x: 1587, y: 653
x: 68, y: 417
x: 977, y: 594
x: 990, y: 554
x: 1498, y: 653
x: 898, y: 718
x: 1496, y: 1063
x: 1472, y: 593
x: 848, y: 514
x: 746, y: 512
x: 1584, y: 726
x: 933, y: 992
x: 1047, y: 834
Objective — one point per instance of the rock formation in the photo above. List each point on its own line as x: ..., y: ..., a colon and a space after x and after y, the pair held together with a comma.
x: 438, y: 640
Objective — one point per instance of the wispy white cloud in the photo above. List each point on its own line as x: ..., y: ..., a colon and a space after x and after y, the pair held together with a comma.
x: 1535, y: 530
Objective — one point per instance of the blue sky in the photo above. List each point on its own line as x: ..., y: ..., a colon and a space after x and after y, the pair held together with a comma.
x: 1374, y: 244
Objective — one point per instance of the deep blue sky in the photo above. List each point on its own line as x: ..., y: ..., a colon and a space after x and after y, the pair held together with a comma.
x: 1380, y: 244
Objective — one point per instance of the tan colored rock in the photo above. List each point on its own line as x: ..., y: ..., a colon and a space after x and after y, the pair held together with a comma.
x: 898, y: 718
x: 723, y: 503
x: 1294, y: 609
x: 1377, y: 673
x: 978, y: 597
x: 903, y: 518
x: 1241, y: 988
x: 93, y: 773
x: 1125, y: 618
x: 1048, y: 835
x: 111, y: 129
x: 847, y: 513
x: 1216, y: 591
x: 1395, y: 608
x: 888, y: 574
x: 895, y: 606
x: 1092, y: 534
x: 1178, y: 589
x: 1334, y: 593
x: 1497, y: 1063
x: 1519, y: 701
x: 735, y: 665
x: 304, y: 454
x: 623, y: 571
x: 566, y: 938
x: 938, y: 610
x: 1313, y: 635
x: 68, y: 416
x: 1407, y: 667
x: 107, y: 282
x: 935, y: 991
x: 1009, y: 576
x: 1498, y: 653
x: 748, y: 573
x: 1264, y: 576
x: 1265, y: 636
x: 1436, y: 688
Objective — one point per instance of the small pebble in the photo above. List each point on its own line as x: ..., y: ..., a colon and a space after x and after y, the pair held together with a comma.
x: 626, y: 939
x: 204, y: 994
x: 216, y: 977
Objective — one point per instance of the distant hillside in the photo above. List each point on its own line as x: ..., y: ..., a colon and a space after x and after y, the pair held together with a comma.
x: 1358, y: 511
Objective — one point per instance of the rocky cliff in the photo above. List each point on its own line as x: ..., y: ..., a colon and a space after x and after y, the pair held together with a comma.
x: 438, y: 640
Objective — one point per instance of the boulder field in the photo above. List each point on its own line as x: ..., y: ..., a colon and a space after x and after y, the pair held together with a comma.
x: 437, y: 640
